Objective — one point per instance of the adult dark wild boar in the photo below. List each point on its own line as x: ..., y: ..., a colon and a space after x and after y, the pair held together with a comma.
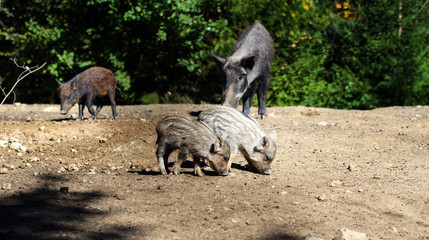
x: 86, y: 88
x: 247, y: 69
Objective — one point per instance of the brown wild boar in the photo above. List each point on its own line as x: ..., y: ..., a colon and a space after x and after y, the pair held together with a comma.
x: 191, y: 137
x: 86, y: 88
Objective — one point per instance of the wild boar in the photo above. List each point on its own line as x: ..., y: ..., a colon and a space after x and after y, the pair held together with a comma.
x: 191, y: 137
x: 242, y: 133
x: 248, y: 68
x: 86, y: 88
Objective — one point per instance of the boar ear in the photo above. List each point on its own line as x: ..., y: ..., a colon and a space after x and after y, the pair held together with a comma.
x: 248, y: 63
x: 263, y: 144
x: 273, y: 135
x: 59, y: 83
x: 73, y: 84
x: 217, y: 146
x: 219, y: 60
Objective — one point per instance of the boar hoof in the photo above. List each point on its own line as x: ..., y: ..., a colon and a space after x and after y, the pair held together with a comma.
x: 198, y: 172
x: 176, y: 171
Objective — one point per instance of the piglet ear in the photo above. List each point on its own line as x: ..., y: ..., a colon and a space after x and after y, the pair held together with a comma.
x: 217, y: 146
x: 219, y: 60
x: 273, y: 135
x: 263, y: 144
x: 59, y: 83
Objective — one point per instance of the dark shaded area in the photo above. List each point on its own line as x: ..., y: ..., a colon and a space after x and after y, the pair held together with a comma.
x: 45, y: 212
x: 281, y: 236
x: 190, y: 164
x: 195, y: 114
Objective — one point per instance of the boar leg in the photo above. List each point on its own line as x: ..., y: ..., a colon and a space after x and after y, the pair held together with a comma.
x: 197, y: 168
x: 81, y: 106
x: 233, y: 152
x: 262, y: 97
x: 162, y: 153
x: 99, y: 107
x: 180, y: 159
x: 248, y: 96
x: 90, y: 109
x: 113, y: 104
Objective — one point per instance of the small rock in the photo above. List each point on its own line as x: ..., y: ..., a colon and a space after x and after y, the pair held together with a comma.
x: 234, y: 220
x: 6, y: 186
x: 3, y: 143
x: 323, y: 124
x: 73, y: 167
x: 11, y: 167
x: 42, y: 128
x: 347, y: 234
x: 35, y: 174
x: 15, y: 146
x: 3, y: 171
x: 28, y: 119
x: 322, y: 198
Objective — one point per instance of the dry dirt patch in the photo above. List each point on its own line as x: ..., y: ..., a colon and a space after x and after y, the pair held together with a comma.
x: 367, y: 171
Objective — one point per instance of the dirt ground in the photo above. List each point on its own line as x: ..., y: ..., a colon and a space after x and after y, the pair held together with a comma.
x: 367, y: 171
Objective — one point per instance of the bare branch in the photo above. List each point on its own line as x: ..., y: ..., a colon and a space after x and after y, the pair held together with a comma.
x: 27, y: 71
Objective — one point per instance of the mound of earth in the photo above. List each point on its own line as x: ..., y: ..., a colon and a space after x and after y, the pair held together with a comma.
x: 367, y: 171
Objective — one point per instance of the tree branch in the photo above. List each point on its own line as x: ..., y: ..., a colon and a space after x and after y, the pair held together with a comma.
x: 27, y: 71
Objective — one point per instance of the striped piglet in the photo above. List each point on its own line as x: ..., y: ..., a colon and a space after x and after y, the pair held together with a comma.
x: 242, y: 133
x: 192, y: 138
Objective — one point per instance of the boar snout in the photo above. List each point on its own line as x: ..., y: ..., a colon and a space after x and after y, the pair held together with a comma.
x: 267, y: 172
x: 223, y: 173
x: 257, y: 167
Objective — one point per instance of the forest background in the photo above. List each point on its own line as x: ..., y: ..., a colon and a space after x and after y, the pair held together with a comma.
x: 340, y: 54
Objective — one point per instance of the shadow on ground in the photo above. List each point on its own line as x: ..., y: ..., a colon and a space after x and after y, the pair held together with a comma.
x: 48, y: 212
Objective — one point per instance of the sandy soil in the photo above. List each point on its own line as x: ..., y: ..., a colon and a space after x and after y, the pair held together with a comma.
x: 367, y: 171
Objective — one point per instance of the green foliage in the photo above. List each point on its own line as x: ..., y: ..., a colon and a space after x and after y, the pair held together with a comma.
x: 356, y: 54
